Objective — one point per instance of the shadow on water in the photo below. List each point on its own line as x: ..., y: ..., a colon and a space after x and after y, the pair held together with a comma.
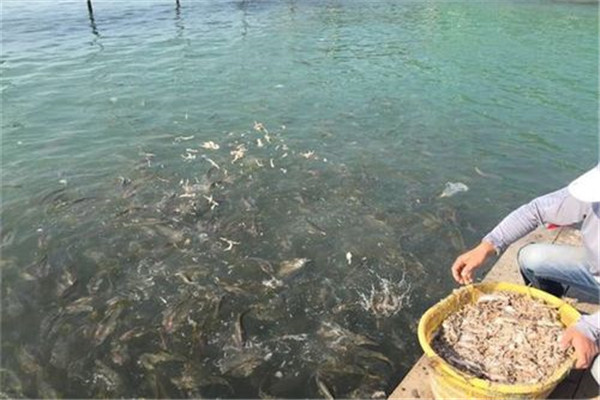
x: 243, y: 7
x: 178, y: 20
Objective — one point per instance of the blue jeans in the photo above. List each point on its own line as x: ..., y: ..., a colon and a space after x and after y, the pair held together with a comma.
x: 555, y: 268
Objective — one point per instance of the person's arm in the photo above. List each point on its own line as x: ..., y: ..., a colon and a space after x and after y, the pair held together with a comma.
x: 558, y: 208
x: 584, y: 336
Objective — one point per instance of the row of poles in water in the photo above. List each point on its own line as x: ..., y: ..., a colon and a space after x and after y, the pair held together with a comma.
x: 91, y: 9
x: 93, y: 22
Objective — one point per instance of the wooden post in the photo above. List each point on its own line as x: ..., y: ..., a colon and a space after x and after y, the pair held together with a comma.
x: 90, y: 9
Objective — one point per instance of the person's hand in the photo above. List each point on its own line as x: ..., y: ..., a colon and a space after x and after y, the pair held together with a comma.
x: 466, y: 264
x: 585, y: 348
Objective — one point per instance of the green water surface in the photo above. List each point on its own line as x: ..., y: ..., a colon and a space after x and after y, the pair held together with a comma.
x: 371, y: 108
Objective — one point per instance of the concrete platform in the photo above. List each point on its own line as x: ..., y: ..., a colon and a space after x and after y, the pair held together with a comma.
x: 578, y: 385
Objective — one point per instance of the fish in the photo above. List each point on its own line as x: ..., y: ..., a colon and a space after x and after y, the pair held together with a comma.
x: 317, y: 227
x: 61, y: 352
x: 194, y: 377
x: 323, y: 389
x: 241, y: 362
x: 54, y: 196
x: 118, y: 353
x: 37, y: 269
x: 83, y: 304
x: 44, y: 388
x: 486, y: 175
x: 289, y: 267
x: 173, y: 235
x: 183, y: 138
x: 65, y: 284
x: 7, y: 238
x: 149, y: 360
x: 27, y: 361
x: 368, y: 354
x: 264, y: 265
x: 175, y: 316
x: 108, y: 324
x: 240, y: 332
x: 132, y: 334
x: 12, y: 385
x: 340, y: 338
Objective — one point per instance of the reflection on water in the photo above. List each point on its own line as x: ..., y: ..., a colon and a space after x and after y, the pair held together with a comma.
x: 252, y: 199
x: 91, y: 15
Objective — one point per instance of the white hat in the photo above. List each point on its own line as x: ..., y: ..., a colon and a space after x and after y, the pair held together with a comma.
x: 587, y: 187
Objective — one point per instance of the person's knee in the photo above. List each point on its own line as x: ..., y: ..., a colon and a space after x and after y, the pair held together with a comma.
x: 531, y: 257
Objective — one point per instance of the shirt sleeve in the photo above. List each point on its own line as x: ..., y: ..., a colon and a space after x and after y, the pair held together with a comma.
x: 559, y: 208
x: 589, y: 325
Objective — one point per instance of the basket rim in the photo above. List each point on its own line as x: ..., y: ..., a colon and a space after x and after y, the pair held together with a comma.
x: 505, y: 388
